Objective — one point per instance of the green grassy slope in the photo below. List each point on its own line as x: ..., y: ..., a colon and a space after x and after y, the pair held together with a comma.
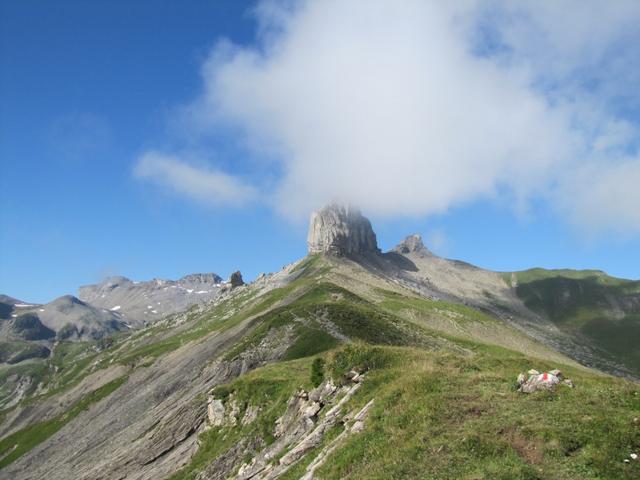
x: 449, y: 413
x: 445, y: 398
x: 603, y: 310
x: 442, y: 415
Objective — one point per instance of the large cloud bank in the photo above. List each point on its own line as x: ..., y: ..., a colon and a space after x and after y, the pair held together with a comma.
x: 414, y: 107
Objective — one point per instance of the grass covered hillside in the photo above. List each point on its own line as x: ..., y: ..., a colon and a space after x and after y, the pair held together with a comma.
x: 444, y: 415
x: 602, y: 310
x: 323, y: 370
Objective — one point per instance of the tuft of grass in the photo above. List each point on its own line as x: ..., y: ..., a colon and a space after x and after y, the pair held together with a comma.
x: 310, y: 341
x: 359, y: 356
x: 317, y: 371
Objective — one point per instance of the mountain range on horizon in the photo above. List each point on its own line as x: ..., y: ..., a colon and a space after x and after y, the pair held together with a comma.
x: 183, y: 379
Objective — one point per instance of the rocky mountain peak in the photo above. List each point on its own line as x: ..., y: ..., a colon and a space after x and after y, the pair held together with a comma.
x: 342, y: 230
x: 412, y: 244
x: 66, y: 301
x: 236, y: 279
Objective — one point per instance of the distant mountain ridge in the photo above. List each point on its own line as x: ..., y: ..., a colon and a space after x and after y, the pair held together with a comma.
x: 117, y: 304
x: 143, y: 303
x: 65, y: 318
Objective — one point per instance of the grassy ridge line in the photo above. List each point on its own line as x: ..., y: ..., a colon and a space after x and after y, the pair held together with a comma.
x: 448, y: 417
x: 245, y: 306
x: 22, y: 441
x: 599, y: 276
x: 353, y: 316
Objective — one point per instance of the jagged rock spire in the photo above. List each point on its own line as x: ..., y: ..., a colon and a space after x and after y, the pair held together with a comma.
x: 236, y: 279
x: 341, y: 230
x: 412, y: 244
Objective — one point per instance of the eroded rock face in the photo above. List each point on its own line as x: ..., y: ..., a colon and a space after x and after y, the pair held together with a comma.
x: 412, y: 244
x: 303, y: 427
x: 340, y: 230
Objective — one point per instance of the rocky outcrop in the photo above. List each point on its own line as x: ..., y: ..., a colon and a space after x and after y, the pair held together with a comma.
x: 227, y: 413
x: 340, y: 230
x: 412, y: 244
x: 236, y: 279
x: 303, y: 427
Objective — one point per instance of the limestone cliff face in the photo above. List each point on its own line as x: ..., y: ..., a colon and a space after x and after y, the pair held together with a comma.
x: 340, y: 230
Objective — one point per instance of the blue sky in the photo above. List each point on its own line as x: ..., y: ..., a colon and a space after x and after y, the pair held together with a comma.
x: 157, y: 139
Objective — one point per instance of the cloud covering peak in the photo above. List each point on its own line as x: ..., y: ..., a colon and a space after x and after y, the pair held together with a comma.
x: 414, y: 107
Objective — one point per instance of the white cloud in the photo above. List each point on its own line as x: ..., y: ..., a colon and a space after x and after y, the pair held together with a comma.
x: 413, y: 107
x: 605, y: 197
x: 202, y: 184
x: 438, y: 241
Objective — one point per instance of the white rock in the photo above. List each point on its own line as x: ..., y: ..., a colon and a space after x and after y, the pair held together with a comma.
x: 311, y: 410
x: 357, y: 427
x: 216, y: 412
